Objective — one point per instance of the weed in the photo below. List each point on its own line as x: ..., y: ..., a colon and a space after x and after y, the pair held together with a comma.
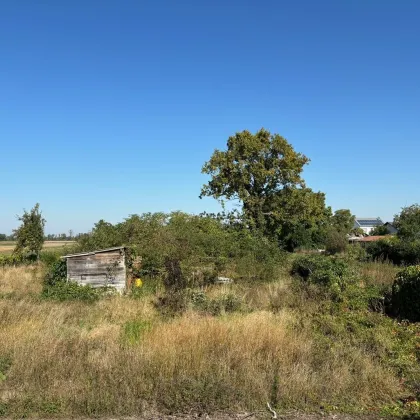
x: 62, y: 291
x: 134, y: 330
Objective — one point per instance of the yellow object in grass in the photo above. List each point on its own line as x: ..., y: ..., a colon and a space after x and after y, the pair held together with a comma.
x: 138, y: 283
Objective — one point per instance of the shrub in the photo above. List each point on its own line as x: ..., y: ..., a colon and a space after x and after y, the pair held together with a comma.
x: 63, y: 291
x: 305, y: 265
x: 172, y: 303
x: 58, y: 288
x: 49, y: 257
x: 332, y: 273
x: 57, y: 273
x: 14, y: 260
x: 335, y: 242
x: 395, y: 250
x: 405, y: 294
x: 355, y: 252
x: 225, y: 303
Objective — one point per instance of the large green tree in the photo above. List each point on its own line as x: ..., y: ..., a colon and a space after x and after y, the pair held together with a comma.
x: 30, y: 234
x: 408, y: 223
x: 264, y: 173
x: 343, y: 221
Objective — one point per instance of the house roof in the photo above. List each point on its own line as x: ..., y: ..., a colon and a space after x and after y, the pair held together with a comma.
x: 99, y: 251
x: 368, y: 221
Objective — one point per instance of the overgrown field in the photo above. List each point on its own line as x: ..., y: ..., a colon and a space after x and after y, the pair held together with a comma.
x: 232, y: 347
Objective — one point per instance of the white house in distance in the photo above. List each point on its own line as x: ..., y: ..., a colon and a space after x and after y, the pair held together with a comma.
x: 367, y: 224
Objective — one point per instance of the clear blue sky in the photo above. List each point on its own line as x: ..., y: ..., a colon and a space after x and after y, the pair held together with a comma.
x: 110, y: 108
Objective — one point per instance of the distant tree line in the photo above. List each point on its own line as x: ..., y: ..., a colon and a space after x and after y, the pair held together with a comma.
x: 4, y: 237
x: 61, y: 236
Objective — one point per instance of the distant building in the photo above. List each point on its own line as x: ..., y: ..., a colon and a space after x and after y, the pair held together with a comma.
x: 392, y: 230
x: 367, y: 224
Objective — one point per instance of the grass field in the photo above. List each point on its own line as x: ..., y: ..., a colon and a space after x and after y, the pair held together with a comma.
x: 7, y: 247
x: 121, y: 356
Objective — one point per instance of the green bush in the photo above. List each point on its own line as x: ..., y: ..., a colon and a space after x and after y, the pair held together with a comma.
x: 63, y: 291
x: 57, y: 287
x: 405, y: 298
x: 14, y: 260
x: 397, y: 251
x: 332, y: 273
x: 305, y: 265
x: 355, y: 252
x: 57, y: 273
x: 49, y: 257
x: 335, y: 242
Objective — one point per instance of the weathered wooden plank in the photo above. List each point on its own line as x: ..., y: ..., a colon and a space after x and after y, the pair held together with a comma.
x: 105, y: 268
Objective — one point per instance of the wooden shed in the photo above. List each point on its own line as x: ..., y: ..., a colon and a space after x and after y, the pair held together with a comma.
x: 105, y: 267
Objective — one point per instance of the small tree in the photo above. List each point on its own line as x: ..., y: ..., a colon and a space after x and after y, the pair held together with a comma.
x: 379, y: 231
x: 3, y: 236
x: 343, y: 220
x: 30, y: 234
x: 408, y: 223
x: 357, y: 231
x: 335, y: 242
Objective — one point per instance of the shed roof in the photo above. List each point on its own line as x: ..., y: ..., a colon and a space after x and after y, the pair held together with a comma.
x: 94, y: 252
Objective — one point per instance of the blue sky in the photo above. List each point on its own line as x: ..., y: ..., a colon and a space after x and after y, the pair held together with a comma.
x: 110, y: 108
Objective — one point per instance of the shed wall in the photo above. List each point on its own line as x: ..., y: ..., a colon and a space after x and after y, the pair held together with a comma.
x: 98, y: 270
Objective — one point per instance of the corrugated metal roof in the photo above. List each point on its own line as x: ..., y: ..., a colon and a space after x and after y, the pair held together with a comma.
x: 93, y: 252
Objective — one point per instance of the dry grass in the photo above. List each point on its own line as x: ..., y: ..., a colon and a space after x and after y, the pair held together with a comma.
x: 7, y: 247
x: 379, y: 273
x: 118, y: 356
x: 20, y: 281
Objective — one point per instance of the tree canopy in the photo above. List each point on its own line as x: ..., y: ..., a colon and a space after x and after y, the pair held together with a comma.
x: 30, y: 234
x: 408, y: 223
x: 381, y: 230
x: 264, y: 173
x: 343, y: 220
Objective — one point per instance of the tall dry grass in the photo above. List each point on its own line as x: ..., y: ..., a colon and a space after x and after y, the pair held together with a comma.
x: 380, y: 273
x: 79, y: 359
x: 20, y: 281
